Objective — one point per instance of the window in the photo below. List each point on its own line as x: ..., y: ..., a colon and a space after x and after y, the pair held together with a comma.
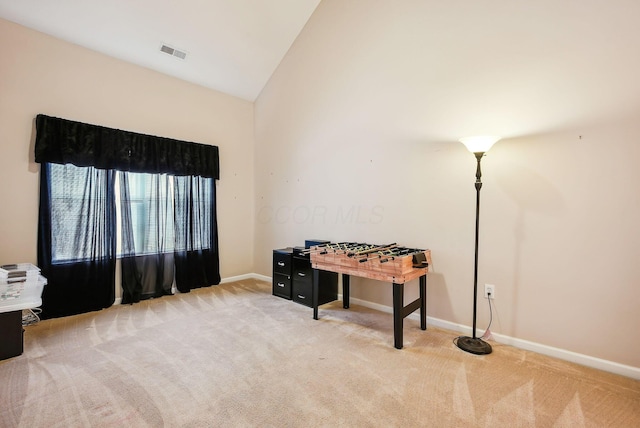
x: 79, y: 197
x: 149, y: 201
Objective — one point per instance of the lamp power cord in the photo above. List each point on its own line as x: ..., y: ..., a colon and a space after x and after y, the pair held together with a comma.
x: 487, y: 332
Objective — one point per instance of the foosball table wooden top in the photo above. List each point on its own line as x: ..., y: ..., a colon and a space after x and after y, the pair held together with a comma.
x: 397, y: 270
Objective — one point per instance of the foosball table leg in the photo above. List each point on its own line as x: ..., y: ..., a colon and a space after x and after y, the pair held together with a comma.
x: 315, y: 285
x: 423, y: 302
x: 345, y: 290
x: 398, y: 316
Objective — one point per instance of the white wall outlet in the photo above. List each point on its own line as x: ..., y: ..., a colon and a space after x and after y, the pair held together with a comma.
x: 489, y: 289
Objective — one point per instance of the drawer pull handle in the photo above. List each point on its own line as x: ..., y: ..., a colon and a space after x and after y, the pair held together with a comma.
x: 301, y: 297
x: 280, y: 284
x: 281, y: 264
x: 302, y: 274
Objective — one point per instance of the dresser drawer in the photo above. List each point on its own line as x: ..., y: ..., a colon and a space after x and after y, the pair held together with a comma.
x: 301, y: 292
x: 303, y: 275
x: 282, y: 263
x: 302, y: 269
x: 282, y: 285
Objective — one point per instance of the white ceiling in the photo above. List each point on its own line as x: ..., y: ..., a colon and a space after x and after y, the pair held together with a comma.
x: 232, y: 46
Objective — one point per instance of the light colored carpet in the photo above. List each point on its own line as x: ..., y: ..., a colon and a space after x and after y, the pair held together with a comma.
x: 236, y: 356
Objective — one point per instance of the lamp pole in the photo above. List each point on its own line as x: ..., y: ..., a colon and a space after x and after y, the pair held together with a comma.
x: 475, y: 345
x: 479, y: 156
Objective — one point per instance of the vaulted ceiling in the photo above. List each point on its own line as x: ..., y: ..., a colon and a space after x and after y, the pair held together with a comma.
x: 232, y: 46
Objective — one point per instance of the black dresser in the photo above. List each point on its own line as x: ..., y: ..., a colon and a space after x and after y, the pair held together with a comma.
x: 293, y: 277
x: 282, y: 270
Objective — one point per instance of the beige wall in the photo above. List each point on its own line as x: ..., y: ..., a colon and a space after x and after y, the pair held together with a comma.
x: 356, y: 140
x: 40, y: 74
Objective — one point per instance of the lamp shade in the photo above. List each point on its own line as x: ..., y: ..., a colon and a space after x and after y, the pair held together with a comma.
x: 479, y: 144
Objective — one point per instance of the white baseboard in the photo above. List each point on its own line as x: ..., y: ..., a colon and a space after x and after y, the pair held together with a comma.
x: 562, y: 354
x: 245, y: 276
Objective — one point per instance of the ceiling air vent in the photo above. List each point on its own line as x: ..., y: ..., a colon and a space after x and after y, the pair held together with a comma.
x: 172, y: 51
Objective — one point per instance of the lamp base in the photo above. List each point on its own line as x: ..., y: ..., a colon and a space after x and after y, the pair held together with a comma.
x: 473, y: 345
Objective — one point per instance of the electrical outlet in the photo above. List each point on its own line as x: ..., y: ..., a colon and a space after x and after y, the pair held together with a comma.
x: 489, y: 289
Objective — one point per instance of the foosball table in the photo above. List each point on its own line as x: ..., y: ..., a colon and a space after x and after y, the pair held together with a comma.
x: 390, y: 263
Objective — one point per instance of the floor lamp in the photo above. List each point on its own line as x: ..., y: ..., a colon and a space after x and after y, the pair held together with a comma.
x: 478, y: 146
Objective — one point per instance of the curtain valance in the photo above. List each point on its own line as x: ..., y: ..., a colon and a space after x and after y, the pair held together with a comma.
x: 64, y: 141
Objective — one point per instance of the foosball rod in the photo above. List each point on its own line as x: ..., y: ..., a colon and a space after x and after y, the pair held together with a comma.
x: 360, y: 248
x: 324, y: 247
x: 371, y: 250
x: 378, y: 254
x: 404, y: 253
x: 386, y: 250
x: 347, y: 248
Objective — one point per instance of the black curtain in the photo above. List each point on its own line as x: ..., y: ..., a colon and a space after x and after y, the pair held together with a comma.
x: 81, y: 285
x: 64, y: 141
x: 76, y: 239
x: 146, y: 209
x: 196, y: 233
